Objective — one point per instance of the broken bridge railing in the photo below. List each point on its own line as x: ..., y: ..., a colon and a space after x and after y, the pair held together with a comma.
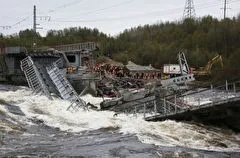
x: 64, y: 87
x: 34, y: 79
x: 90, y: 46
x: 173, y: 104
x: 163, y: 107
x: 151, y: 106
x: 37, y: 83
x: 213, y: 95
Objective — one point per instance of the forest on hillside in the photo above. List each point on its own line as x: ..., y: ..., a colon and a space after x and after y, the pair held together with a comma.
x: 201, y: 39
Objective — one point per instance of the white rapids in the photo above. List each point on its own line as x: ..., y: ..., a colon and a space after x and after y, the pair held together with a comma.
x: 165, y: 133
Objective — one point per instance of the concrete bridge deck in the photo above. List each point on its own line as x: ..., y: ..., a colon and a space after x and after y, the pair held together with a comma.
x: 218, y: 106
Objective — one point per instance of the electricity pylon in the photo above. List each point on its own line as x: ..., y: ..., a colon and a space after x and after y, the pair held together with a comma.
x: 189, y: 11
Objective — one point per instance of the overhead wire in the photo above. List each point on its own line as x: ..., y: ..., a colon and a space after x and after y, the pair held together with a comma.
x: 50, y: 11
x: 65, y: 5
x: 163, y: 12
x: 94, y: 11
x: 19, y: 22
x: 15, y: 24
x: 109, y: 7
x: 105, y: 8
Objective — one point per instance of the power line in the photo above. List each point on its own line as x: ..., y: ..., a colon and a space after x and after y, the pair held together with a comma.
x: 19, y: 22
x: 83, y: 14
x: 65, y: 5
x: 109, y: 7
x: 45, y: 18
x: 7, y: 27
x: 115, y: 18
x: 163, y: 12
x: 48, y: 18
x: 106, y: 8
x: 35, y: 17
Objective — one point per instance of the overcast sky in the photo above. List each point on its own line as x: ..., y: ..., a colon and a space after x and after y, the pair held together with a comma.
x: 109, y: 16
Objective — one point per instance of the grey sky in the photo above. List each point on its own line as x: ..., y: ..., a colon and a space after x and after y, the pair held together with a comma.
x: 109, y: 16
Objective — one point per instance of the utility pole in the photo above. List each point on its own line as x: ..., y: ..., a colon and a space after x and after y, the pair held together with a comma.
x: 225, y: 9
x: 189, y: 11
x: 35, y: 25
x: 34, y: 19
x: 224, y: 31
x: 34, y: 28
x: 46, y: 18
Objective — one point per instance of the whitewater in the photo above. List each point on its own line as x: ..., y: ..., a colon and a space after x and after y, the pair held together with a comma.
x: 166, y: 133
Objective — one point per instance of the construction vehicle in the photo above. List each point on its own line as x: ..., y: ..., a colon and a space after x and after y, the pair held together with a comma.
x: 207, y: 70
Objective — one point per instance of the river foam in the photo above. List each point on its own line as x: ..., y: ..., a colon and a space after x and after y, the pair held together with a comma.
x: 165, y: 133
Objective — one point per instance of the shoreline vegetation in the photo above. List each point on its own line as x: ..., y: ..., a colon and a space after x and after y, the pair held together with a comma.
x: 157, y: 44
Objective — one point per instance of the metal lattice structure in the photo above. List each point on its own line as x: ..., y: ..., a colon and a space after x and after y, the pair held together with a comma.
x: 64, y: 88
x: 88, y: 46
x: 34, y: 79
x: 183, y: 63
x: 189, y: 11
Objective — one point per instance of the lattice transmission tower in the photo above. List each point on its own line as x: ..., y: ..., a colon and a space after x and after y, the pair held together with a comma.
x: 189, y: 11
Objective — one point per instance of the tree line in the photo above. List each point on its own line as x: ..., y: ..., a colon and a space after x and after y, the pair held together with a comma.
x: 201, y: 39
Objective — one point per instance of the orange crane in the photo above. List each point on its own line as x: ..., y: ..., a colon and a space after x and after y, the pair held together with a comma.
x: 204, y: 71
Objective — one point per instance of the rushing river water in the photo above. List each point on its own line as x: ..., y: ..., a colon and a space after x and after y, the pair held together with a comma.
x: 48, y: 130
